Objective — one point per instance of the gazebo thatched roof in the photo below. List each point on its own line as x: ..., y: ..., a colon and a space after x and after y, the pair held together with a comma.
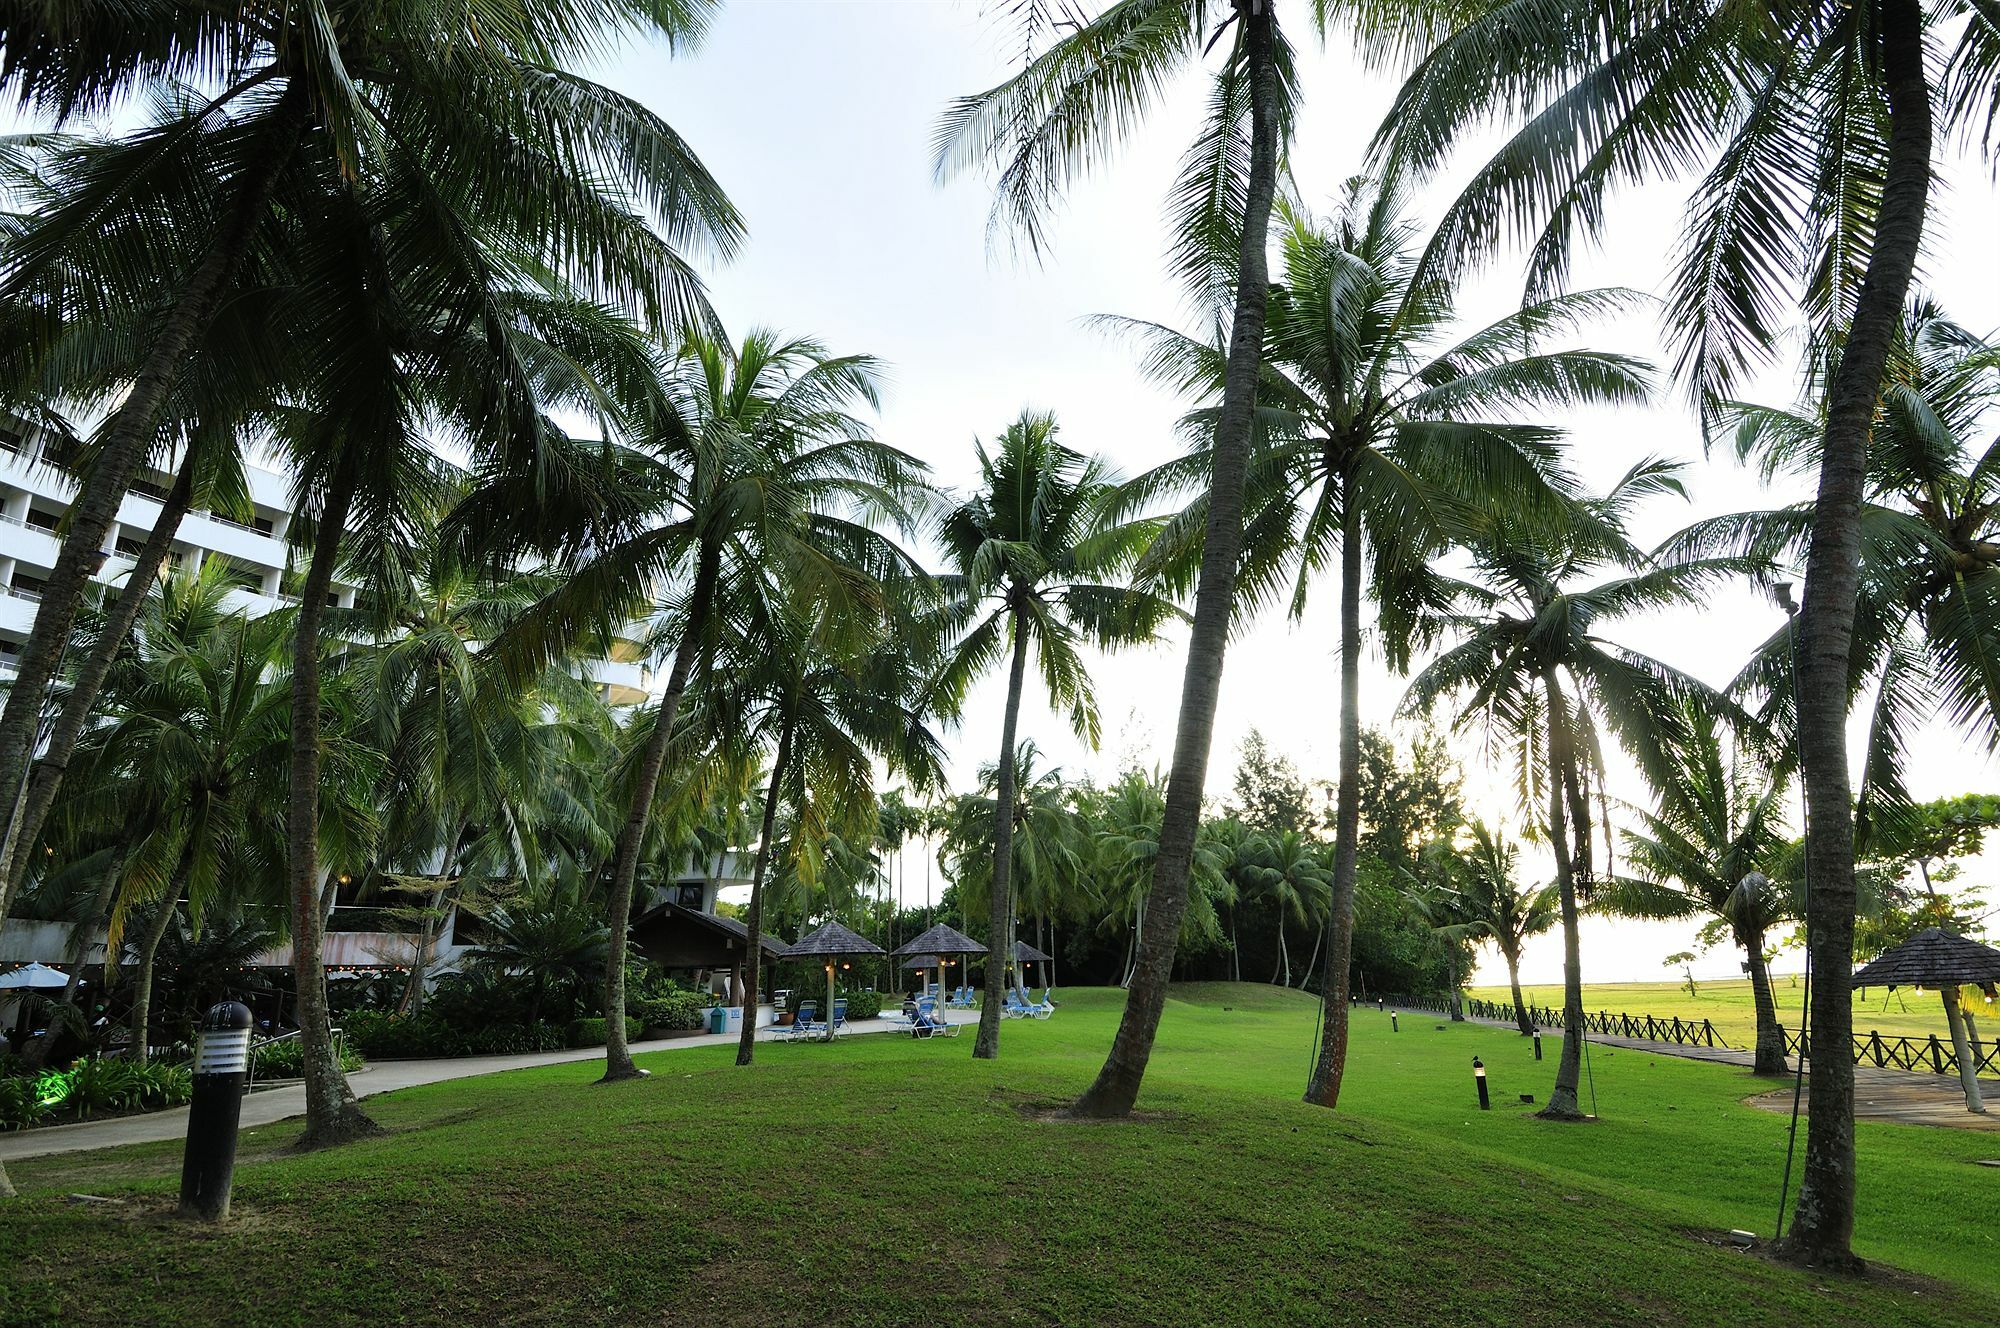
x: 831, y: 941
x: 942, y: 940
x: 1932, y: 958
x: 1028, y: 954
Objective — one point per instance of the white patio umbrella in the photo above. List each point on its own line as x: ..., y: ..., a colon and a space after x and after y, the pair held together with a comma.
x: 39, y: 976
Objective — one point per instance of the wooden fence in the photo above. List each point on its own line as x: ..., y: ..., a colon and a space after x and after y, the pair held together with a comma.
x: 1928, y: 1055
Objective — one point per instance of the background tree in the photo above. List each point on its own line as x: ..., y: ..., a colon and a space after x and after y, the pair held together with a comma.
x: 1036, y: 559
x: 1481, y: 878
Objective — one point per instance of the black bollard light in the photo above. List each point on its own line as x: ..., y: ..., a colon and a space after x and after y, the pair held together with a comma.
x: 1479, y: 1078
x: 1538, y: 1044
x: 1381, y: 1004
x: 221, y: 1069
x: 1392, y: 1024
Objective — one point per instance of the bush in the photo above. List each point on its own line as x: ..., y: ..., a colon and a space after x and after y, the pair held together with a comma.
x: 593, y: 1032
x: 92, y: 1086
x: 863, y: 1004
x: 679, y: 1011
x: 20, y: 1103
x: 286, y: 1060
x: 387, y: 1037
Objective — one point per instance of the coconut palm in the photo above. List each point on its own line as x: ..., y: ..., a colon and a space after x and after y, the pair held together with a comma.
x: 1048, y: 845
x: 1710, y: 850
x: 1036, y: 560
x: 259, y: 109
x: 1129, y: 838
x: 556, y: 937
x: 1287, y: 871
x: 1044, y: 128
x: 1929, y: 606
x: 1814, y: 123
x: 756, y: 462
x: 1383, y: 431
x: 1531, y: 666
x: 833, y: 683
x: 1486, y: 895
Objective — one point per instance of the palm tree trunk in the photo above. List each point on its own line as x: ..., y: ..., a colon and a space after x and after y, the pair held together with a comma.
x: 125, y: 438
x: 625, y: 862
x: 1770, y: 1056
x: 1117, y: 1085
x: 1823, y: 1221
x: 1323, y: 1089
x: 1235, y: 950
x: 142, y: 982
x: 1000, y: 912
x: 1319, y: 939
x: 37, y: 1052
x: 1968, y: 1069
x: 332, y: 1116
x: 753, y: 918
x: 48, y: 768
x: 1563, y: 1102
x: 1521, y: 1020
x: 1284, y: 964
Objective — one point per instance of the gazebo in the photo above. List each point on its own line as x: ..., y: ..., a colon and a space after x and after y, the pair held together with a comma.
x: 1028, y: 954
x: 938, y: 943
x: 1936, y: 958
x: 831, y: 942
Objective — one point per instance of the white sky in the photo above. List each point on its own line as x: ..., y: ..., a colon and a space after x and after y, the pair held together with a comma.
x: 816, y: 116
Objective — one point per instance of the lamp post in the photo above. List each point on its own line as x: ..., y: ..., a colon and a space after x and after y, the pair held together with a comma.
x: 1479, y: 1080
x: 221, y: 1067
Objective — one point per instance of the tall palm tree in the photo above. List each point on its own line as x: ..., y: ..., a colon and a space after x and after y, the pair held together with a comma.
x: 1286, y: 869
x: 1128, y: 845
x: 190, y: 759
x: 757, y: 463
x: 1480, y: 878
x: 257, y: 102
x: 1036, y: 560
x: 1532, y: 667
x: 834, y: 684
x: 1044, y: 128
x: 1815, y: 124
x: 1383, y: 433
x: 1929, y: 606
x: 1710, y: 850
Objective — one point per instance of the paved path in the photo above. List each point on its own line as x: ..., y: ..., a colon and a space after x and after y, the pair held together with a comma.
x: 1901, y: 1096
x: 276, y: 1104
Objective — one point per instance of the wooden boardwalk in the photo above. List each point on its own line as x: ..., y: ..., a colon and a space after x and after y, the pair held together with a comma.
x: 1898, y: 1096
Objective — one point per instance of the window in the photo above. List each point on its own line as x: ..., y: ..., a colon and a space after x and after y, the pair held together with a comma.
x: 128, y: 547
x: 41, y: 520
x: 264, y: 525
x: 27, y: 586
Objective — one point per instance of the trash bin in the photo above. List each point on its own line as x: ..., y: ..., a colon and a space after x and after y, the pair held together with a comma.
x: 718, y: 1019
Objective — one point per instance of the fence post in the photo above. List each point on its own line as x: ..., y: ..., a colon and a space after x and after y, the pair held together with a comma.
x: 1875, y: 1046
x: 1937, y: 1055
x: 1708, y: 1032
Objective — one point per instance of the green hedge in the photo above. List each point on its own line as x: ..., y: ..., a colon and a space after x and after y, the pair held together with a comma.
x: 680, y: 1011
x: 381, y: 1036
x: 286, y: 1060
x: 592, y: 1032
x: 863, y: 1004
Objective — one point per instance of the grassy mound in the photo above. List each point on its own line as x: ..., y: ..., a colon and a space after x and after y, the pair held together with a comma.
x: 883, y: 1181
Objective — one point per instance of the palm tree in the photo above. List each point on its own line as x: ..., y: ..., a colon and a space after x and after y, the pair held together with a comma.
x: 1129, y: 838
x: 834, y: 683
x: 556, y: 937
x: 1382, y: 435
x: 1929, y: 606
x: 1531, y: 666
x: 757, y: 463
x: 1485, y: 894
x: 1815, y: 122
x: 1035, y: 558
x: 1285, y: 869
x: 189, y: 759
x: 1044, y: 128
x: 1710, y: 850
x: 1048, y: 845
x: 260, y: 108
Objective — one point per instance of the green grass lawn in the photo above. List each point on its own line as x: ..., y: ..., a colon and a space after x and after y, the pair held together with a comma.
x: 882, y: 1181
x: 1727, y: 1004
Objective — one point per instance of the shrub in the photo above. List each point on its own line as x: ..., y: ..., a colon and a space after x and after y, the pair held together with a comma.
x: 20, y: 1102
x: 680, y: 1011
x: 592, y: 1032
x: 863, y: 1004
x: 286, y: 1060
x: 387, y: 1037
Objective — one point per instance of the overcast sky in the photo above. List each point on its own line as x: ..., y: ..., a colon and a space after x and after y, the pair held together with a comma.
x: 817, y: 114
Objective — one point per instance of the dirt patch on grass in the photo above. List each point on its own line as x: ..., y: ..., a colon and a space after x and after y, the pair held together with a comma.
x: 1877, y: 1274
x: 1060, y: 1113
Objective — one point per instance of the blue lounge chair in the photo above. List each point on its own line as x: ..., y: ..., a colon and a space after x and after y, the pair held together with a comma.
x: 806, y: 1023
x: 839, y: 1015
x: 929, y: 1023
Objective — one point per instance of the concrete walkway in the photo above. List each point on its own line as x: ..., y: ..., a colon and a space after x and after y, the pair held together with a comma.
x: 1902, y: 1097
x: 275, y: 1104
